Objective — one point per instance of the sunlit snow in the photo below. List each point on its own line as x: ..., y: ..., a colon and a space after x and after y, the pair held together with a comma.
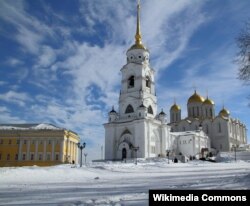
x: 115, y: 183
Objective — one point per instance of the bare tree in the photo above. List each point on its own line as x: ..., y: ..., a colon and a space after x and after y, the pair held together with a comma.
x: 243, y: 56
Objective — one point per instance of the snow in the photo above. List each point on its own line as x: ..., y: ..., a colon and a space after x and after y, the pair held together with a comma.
x: 27, y: 127
x: 115, y: 183
x: 45, y: 126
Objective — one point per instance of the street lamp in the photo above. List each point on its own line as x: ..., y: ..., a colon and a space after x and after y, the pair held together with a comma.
x: 234, y: 147
x: 81, y: 147
x: 167, y: 153
x: 135, y: 149
x: 85, y: 155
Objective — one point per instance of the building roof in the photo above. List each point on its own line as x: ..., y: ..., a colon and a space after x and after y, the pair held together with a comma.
x: 42, y: 126
x: 175, y: 108
x: 195, y: 98
x: 208, y: 101
x: 224, y: 112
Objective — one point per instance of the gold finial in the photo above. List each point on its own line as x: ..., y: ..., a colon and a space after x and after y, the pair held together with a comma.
x: 138, y: 29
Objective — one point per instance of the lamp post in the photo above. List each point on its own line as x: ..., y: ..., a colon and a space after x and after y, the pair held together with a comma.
x: 167, y: 153
x: 85, y: 155
x: 135, y: 149
x: 81, y: 147
x: 234, y: 147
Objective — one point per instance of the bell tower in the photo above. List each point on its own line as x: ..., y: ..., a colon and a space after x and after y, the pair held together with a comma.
x: 138, y: 83
x: 136, y: 130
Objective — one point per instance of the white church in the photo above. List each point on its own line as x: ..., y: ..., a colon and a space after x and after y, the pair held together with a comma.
x: 138, y: 130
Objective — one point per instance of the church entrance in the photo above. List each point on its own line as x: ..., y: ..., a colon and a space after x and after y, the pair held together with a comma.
x: 124, y: 153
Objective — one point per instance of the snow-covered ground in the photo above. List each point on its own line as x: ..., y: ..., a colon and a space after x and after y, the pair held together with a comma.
x: 115, y: 183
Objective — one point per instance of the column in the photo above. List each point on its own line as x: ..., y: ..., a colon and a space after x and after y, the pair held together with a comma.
x: 61, y: 150
x: 20, y: 150
x: 36, y: 150
x: 28, y: 150
x: 53, y: 150
x: 44, y: 150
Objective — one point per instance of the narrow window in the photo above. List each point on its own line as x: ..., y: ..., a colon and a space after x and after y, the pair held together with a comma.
x: 40, y: 157
x: 148, y: 83
x: 57, y: 157
x: 197, y: 111
x: 16, y: 157
x: 24, y: 156
x: 32, y: 157
x: 8, y: 156
x: 10, y: 141
x: 211, y: 112
x: 150, y: 110
x: 0, y: 156
x: 219, y: 127
x: 207, y: 129
x: 131, y: 82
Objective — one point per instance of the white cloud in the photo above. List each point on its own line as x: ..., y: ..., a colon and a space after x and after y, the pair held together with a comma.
x: 19, y: 98
x: 7, y: 117
x: 14, y: 61
x: 66, y: 72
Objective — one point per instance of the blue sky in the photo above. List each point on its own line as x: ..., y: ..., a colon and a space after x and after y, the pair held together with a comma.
x: 60, y: 61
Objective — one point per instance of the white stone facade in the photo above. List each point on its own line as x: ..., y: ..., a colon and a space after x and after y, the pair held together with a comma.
x: 224, y: 131
x: 136, y: 129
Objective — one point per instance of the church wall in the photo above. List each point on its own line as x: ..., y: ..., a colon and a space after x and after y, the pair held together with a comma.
x: 220, y: 140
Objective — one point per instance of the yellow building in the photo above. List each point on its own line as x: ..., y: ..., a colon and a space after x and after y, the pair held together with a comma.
x: 36, y: 144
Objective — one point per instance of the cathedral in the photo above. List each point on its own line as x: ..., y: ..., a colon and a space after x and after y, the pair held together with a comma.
x: 224, y: 131
x: 137, y: 129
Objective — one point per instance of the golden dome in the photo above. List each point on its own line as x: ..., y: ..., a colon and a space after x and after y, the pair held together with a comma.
x: 137, y: 46
x: 195, y: 98
x: 208, y: 101
x: 224, y: 112
x: 175, y: 108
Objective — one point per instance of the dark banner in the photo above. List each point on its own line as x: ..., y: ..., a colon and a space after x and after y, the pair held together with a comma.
x: 199, y: 197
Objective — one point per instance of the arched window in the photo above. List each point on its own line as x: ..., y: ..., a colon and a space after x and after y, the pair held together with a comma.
x: 150, y: 110
x: 148, y: 82
x: 131, y: 82
x: 129, y: 109
x: 211, y: 112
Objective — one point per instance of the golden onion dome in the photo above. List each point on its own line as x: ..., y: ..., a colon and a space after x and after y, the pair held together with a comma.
x: 137, y: 46
x: 175, y: 108
x: 224, y: 112
x: 208, y: 101
x: 195, y: 98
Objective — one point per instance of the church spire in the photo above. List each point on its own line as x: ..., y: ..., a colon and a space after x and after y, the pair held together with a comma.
x: 138, y: 26
x: 138, y: 37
